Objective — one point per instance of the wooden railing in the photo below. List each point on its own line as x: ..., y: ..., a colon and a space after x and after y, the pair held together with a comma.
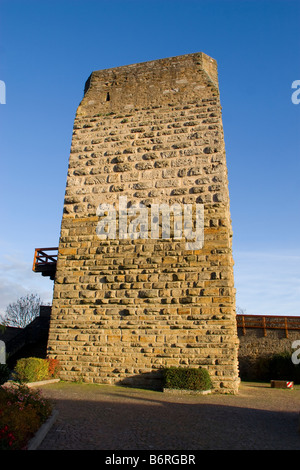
x: 268, y: 322
x: 45, y: 262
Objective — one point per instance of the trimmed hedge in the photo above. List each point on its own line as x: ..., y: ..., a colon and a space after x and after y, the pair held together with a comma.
x: 31, y: 369
x: 187, y: 378
x: 35, y: 369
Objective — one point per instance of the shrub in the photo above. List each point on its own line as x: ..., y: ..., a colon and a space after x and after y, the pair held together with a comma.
x: 7, y: 438
x: 281, y: 367
x: 31, y: 369
x: 22, y: 411
x: 4, y: 373
x: 53, y: 367
x: 187, y: 378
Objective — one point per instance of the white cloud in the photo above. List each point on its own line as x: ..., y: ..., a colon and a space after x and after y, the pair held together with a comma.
x: 268, y: 283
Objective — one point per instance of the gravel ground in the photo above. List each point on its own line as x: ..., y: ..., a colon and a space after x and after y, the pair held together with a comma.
x: 101, y: 417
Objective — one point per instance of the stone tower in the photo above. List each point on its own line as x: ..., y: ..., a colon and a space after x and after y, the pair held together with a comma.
x: 132, y: 295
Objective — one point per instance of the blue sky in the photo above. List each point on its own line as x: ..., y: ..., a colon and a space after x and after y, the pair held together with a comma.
x: 49, y: 48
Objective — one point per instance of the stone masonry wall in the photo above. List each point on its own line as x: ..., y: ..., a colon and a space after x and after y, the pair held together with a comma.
x: 256, y: 345
x: 125, y: 308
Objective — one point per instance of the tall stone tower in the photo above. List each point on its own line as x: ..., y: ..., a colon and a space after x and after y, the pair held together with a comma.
x: 138, y: 290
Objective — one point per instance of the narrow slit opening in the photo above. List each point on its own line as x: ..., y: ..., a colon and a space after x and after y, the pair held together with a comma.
x: 107, y: 96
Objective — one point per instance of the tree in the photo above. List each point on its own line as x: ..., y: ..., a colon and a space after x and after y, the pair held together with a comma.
x: 240, y: 310
x: 23, y: 311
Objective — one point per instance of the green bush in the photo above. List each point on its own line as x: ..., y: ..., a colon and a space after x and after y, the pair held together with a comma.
x: 187, y: 378
x: 22, y: 411
x: 281, y: 367
x: 4, y: 373
x: 31, y: 369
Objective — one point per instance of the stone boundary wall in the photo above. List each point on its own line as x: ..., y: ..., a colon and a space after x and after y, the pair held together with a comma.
x: 257, y: 343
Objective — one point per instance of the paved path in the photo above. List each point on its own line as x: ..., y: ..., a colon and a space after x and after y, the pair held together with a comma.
x: 100, y: 417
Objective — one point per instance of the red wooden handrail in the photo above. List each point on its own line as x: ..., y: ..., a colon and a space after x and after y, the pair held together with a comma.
x: 41, y: 258
x: 268, y: 322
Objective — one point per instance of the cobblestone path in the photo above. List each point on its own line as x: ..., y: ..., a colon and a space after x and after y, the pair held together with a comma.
x: 100, y: 417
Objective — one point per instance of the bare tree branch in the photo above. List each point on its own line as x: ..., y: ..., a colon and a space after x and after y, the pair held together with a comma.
x: 23, y: 311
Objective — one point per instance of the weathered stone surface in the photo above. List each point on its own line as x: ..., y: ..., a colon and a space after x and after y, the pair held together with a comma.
x: 125, y: 308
